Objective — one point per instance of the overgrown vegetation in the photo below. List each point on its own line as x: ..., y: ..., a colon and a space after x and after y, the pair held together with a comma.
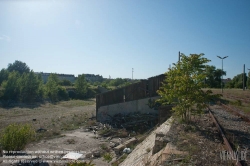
x: 120, y: 159
x: 183, y: 87
x: 114, y: 83
x: 15, y: 137
x: 107, y: 157
x: 213, y: 76
x: 20, y: 84
x: 237, y: 81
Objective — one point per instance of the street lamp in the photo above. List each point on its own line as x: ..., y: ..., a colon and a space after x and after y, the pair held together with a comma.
x: 222, y: 71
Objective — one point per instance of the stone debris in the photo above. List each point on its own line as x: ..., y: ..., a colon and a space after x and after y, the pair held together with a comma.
x: 126, y: 150
x: 127, y: 143
x: 97, y: 154
x: 131, y: 120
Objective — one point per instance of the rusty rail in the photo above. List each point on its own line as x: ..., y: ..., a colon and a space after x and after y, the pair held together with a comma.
x: 246, y: 118
x: 228, y: 146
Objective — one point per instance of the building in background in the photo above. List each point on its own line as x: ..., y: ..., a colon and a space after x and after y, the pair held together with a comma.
x: 93, y: 78
x: 69, y: 77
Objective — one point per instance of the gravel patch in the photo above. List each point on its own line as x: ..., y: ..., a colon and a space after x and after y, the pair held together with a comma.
x: 236, y: 130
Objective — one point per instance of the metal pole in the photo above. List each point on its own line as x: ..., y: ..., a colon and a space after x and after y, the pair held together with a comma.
x: 222, y: 72
x: 222, y: 78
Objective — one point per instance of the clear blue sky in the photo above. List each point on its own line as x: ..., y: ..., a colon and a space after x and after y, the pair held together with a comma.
x: 110, y: 37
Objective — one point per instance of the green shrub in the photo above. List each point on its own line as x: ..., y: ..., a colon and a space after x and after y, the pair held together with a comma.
x: 107, y: 157
x: 15, y: 137
x: 62, y: 93
x: 72, y: 94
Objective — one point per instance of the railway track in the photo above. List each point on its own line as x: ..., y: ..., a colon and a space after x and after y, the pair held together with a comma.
x: 235, y: 132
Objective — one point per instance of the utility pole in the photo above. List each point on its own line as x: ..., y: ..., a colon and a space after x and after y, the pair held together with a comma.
x: 243, y: 77
x: 222, y: 72
x: 132, y: 72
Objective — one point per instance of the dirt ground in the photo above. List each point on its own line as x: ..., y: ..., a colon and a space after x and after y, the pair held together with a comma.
x: 60, y: 127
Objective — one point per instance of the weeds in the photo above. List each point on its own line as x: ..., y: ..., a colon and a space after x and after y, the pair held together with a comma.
x: 236, y: 103
x: 71, y: 141
x: 120, y: 160
x: 104, y: 147
x: 107, y: 157
x: 15, y: 137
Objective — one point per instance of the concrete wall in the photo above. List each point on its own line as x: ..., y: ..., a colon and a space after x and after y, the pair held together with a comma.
x: 124, y: 108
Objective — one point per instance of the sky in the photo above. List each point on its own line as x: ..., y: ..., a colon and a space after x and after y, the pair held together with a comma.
x: 110, y: 37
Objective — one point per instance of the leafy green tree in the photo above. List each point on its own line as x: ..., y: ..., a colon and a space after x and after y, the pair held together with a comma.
x: 183, y: 85
x: 52, y: 87
x: 213, y: 76
x: 29, y: 87
x: 18, y: 66
x: 96, y: 83
x: 3, y: 75
x: 237, y: 81
x: 11, y: 87
x: 81, y: 87
x: 62, y: 93
x: 65, y: 82
x: 116, y: 82
x: 41, y: 90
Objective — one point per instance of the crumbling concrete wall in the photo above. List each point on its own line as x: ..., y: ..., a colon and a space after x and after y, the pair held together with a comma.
x: 141, y: 106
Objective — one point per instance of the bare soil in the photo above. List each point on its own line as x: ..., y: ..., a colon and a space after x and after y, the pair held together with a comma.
x: 60, y: 127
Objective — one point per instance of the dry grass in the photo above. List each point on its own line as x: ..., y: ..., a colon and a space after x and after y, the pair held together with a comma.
x: 66, y: 115
x: 234, y: 92
x: 236, y: 97
x: 76, y: 103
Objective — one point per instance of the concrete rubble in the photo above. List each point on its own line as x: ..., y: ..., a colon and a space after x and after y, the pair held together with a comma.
x: 133, y: 119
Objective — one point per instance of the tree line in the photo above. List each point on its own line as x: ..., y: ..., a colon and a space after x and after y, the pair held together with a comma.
x: 213, y: 79
x: 237, y: 81
x: 20, y: 84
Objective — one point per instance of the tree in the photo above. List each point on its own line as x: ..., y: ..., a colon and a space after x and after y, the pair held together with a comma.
x: 18, y: 66
x: 81, y: 87
x: 62, y: 93
x: 11, y: 87
x: 117, y: 82
x: 183, y: 85
x: 237, y: 81
x: 3, y: 75
x: 41, y: 90
x: 65, y: 82
x: 213, y: 76
x: 29, y: 87
x: 52, y: 87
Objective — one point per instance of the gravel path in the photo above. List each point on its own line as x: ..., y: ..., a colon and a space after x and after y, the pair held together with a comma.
x: 236, y: 130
